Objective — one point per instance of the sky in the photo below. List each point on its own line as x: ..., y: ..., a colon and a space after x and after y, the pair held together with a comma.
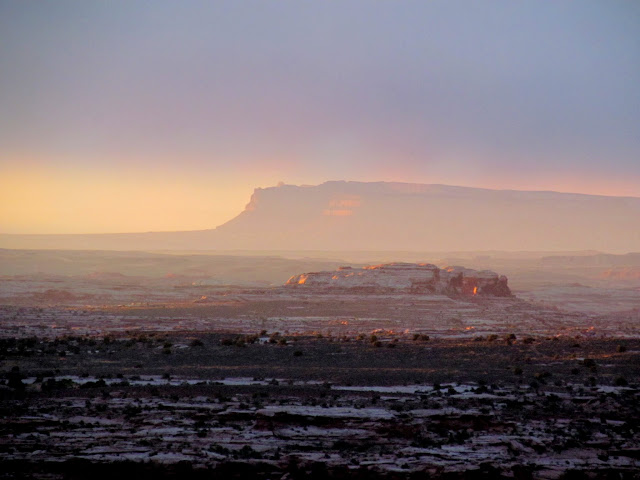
x: 131, y: 115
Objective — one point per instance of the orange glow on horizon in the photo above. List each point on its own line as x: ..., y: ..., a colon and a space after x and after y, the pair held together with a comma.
x: 40, y: 201
x: 40, y: 196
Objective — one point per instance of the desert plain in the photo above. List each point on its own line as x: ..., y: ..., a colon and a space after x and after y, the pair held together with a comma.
x: 209, y: 366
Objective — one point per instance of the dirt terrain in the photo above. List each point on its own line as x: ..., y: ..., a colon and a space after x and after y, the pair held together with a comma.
x: 275, y: 384
x: 275, y: 406
x: 174, y: 377
x: 281, y: 309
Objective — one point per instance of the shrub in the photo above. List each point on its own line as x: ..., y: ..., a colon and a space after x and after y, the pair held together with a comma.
x: 621, y: 382
x: 15, y: 379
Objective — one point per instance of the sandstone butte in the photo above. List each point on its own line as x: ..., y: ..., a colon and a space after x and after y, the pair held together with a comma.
x: 416, y: 278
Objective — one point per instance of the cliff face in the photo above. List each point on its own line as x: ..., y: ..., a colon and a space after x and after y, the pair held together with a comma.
x: 405, y: 278
x: 414, y: 217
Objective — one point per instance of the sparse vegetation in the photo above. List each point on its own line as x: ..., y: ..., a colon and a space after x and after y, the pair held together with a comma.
x: 466, y: 389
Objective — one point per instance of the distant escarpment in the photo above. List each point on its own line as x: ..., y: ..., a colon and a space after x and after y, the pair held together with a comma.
x: 417, y: 278
x: 387, y: 216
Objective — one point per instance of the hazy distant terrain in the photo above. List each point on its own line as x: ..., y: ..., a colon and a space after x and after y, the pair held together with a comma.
x: 393, y: 216
x: 586, y: 281
x: 218, y: 268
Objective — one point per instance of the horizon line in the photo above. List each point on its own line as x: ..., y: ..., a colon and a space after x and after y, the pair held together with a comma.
x: 283, y: 184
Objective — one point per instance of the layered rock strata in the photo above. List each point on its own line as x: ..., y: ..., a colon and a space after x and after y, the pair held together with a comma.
x: 415, y: 278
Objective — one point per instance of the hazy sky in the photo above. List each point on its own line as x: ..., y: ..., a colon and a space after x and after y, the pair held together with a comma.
x: 164, y: 115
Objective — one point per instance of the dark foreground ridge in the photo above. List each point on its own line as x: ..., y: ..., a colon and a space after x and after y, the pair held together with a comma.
x: 278, y: 406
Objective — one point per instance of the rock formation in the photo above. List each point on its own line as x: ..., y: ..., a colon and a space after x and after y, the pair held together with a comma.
x: 415, y: 278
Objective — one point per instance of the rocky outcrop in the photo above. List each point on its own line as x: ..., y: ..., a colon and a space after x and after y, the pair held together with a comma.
x: 418, y: 278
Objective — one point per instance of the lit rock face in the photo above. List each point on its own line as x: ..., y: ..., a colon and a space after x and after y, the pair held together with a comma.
x: 406, y: 278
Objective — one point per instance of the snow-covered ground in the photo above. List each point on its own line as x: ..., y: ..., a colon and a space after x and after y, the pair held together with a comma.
x: 409, y: 429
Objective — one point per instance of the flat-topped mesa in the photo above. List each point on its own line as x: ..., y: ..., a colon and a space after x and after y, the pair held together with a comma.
x: 418, y: 278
